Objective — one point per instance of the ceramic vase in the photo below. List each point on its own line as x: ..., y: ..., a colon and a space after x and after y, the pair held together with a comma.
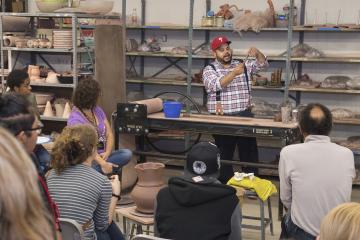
x: 67, y: 110
x: 48, y: 112
x: 150, y: 182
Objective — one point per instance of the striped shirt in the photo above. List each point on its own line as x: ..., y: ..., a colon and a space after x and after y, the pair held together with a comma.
x: 236, y: 96
x: 82, y: 194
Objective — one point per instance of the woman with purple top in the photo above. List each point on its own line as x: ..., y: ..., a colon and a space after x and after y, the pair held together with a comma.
x: 86, y: 111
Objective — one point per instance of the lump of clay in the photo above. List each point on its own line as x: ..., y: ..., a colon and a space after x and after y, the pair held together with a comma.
x: 264, y: 109
x: 353, y: 83
x: 305, y: 82
x: 179, y: 50
x: 304, y: 50
x: 335, y: 82
x: 341, y: 113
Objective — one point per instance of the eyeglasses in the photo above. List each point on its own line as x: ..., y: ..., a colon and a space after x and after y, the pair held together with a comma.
x: 38, y: 129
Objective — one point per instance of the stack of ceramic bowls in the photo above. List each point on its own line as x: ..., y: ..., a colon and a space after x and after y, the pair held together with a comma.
x: 62, y: 38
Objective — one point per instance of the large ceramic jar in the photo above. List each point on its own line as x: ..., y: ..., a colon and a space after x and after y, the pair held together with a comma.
x: 150, y: 182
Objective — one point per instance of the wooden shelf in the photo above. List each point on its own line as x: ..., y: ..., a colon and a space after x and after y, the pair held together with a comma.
x: 274, y: 29
x: 199, y: 28
x: 56, y: 119
x: 327, y: 59
x: 50, y: 50
x: 52, y: 85
x: 171, y: 82
x: 323, y: 29
x: 194, y: 56
x: 61, y: 15
x: 349, y: 121
x: 324, y: 90
x: 162, y: 81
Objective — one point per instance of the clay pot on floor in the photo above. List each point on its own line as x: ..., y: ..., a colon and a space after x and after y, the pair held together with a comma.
x: 149, y: 184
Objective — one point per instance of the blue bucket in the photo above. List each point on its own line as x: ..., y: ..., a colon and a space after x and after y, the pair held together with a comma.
x: 172, y: 109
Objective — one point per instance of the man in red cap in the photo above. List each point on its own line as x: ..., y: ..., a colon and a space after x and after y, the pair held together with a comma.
x: 228, y: 85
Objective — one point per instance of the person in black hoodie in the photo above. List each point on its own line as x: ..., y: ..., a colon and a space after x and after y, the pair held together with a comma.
x: 197, y: 206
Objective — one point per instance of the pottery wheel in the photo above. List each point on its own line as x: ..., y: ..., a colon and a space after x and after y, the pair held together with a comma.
x: 140, y: 214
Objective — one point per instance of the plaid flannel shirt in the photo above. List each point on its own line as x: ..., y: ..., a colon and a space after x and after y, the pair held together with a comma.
x: 236, y: 96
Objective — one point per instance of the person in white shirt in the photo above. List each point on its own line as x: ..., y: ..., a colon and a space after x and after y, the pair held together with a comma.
x: 315, y: 176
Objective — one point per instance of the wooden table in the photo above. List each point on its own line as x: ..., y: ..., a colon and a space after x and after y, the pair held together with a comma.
x: 131, y: 221
x: 133, y: 119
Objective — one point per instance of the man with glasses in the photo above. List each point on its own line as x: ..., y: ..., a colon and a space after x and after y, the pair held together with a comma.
x: 16, y: 115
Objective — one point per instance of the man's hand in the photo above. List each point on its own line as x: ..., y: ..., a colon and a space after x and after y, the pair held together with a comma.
x: 254, y: 52
x: 239, y: 69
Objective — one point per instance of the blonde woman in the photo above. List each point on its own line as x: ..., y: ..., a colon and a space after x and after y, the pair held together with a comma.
x: 341, y: 223
x: 22, y: 212
x: 82, y: 193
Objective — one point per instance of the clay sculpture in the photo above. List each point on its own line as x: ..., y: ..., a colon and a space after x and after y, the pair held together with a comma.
x: 255, y: 21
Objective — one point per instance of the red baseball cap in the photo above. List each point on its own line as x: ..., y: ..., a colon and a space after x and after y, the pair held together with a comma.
x: 218, y: 41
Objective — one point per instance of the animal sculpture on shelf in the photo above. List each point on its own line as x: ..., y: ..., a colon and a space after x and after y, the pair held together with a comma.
x: 226, y: 12
x: 255, y: 21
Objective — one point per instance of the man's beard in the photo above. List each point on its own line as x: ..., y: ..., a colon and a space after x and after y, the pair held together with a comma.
x: 223, y: 61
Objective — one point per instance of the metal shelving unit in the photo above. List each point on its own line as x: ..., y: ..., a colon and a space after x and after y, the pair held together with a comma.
x: 173, y: 59
x: 298, y: 62
x: 293, y: 64
x: 74, y: 51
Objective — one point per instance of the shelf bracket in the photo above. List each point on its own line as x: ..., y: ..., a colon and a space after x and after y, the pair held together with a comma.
x: 172, y: 63
x: 132, y: 64
x: 46, y: 62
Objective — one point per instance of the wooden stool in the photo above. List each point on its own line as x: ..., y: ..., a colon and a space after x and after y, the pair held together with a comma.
x: 264, y: 222
x: 132, y: 222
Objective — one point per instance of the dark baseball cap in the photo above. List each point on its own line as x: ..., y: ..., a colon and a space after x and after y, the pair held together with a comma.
x: 203, y: 163
x: 218, y: 41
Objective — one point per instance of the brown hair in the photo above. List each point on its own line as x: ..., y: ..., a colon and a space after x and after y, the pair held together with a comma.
x: 74, y: 145
x: 22, y: 213
x: 86, y: 94
x: 342, y: 222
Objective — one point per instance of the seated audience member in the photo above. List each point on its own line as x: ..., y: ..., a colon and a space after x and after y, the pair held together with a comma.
x: 315, y: 176
x: 17, y: 117
x: 197, y: 205
x: 82, y: 193
x: 22, y: 212
x: 342, y: 222
x: 18, y: 82
x: 86, y: 111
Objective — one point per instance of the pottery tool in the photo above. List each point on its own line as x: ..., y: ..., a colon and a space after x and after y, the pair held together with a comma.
x: 153, y: 105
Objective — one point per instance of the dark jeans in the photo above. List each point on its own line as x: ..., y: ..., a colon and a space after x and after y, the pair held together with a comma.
x: 289, y: 230
x: 43, y: 157
x: 247, y: 149
x: 120, y: 157
x: 112, y: 233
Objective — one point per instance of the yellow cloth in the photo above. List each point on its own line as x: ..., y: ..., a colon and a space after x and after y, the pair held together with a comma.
x: 263, y: 188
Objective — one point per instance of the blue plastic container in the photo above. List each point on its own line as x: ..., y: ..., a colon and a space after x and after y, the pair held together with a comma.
x: 172, y: 109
